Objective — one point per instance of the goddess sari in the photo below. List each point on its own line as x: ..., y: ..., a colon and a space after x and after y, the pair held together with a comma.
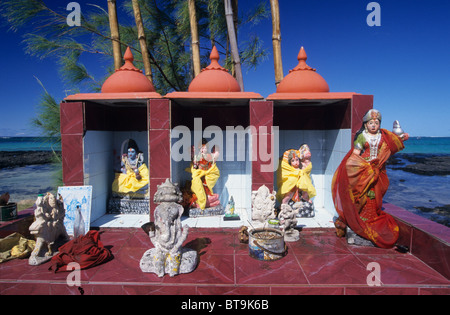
x: 203, y: 182
x: 289, y: 177
x: 358, y: 187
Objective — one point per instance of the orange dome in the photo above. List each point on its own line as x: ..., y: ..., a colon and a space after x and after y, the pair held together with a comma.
x: 303, y: 78
x: 214, y: 78
x: 128, y: 78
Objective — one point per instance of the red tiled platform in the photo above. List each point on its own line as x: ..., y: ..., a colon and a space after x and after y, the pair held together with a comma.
x: 319, y: 263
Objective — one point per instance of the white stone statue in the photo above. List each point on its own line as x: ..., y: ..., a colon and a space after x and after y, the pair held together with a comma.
x: 48, y: 228
x: 263, y: 204
x: 288, y: 222
x: 167, y: 235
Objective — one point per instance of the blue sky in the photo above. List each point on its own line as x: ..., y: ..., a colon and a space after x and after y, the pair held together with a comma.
x: 404, y: 63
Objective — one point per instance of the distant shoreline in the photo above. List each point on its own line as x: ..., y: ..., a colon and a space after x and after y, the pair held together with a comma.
x: 11, y: 159
x: 424, y: 164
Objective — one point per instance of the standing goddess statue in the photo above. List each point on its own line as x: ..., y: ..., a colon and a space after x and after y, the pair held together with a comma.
x: 360, y: 182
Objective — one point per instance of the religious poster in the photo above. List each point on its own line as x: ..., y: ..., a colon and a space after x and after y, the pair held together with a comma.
x: 77, y: 203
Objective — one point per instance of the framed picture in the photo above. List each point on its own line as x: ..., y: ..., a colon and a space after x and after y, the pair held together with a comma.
x: 77, y: 203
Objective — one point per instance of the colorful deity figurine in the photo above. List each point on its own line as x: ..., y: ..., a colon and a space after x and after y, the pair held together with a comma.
x: 133, y: 178
x: 294, y: 176
x: 205, y: 174
x: 360, y: 183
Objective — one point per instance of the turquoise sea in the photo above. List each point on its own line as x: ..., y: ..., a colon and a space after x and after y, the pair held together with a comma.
x: 407, y: 190
x: 28, y: 144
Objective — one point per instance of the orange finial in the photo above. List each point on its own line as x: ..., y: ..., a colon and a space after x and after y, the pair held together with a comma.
x: 302, y: 61
x: 214, y: 56
x: 128, y: 56
x: 302, y: 54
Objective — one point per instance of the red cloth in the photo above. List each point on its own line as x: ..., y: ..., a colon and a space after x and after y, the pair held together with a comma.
x: 86, y: 250
x: 351, y: 183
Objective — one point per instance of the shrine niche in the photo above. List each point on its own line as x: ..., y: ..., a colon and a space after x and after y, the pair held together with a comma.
x: 211, y: 156
x: 325, y: 121
x: 96, y: 129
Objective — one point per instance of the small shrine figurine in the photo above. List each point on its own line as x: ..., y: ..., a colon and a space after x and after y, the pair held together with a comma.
x: 288, y: 222
x: 360, y: 182
x: 48, y: 228
x: 230, y: 213
x: 263, y: 205
x: 294, y: 176
x: 205, y: 174
x: 166, y: 234
x: 133, y: 179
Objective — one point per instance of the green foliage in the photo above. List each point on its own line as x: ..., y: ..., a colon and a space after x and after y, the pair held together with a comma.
x: 47, y: 119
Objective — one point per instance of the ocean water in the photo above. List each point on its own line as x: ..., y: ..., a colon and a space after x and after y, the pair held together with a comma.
x: 25, y: 183
x: 407, y: 190
x: 29, y: 144
x: 427, y: 145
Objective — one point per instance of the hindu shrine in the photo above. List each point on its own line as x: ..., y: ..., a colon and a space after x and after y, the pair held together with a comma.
x: 243, y: 134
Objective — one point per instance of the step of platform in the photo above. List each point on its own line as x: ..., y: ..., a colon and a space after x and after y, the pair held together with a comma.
x: 322, y: 219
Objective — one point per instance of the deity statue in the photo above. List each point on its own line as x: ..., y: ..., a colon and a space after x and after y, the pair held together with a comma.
x: 205, y: 174
x: 263, y: 205
x: 133, y: 179
x: 288, y: 222
x: 294, y: 176
x: 363, y: 170
x: 167, y: 235
x: 48, y: 228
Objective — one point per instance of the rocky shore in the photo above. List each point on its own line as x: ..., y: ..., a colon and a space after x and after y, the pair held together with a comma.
x: 440, y: 214
x: 428, y: 165
x: 9, y: 159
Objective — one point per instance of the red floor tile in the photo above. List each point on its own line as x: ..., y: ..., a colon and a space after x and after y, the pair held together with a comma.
x: 333, y: 269
x: 319, y: 263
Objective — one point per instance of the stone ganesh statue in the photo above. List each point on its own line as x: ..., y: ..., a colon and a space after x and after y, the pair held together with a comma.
x: 263, y: 205
x: 167, y: 235
x: 288, y: 222
x: 48, y: 228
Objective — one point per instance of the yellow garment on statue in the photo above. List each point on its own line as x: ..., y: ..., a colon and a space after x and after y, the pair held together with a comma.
x: 125, y: 183
x: 288, y: 177
x: 211, y: 176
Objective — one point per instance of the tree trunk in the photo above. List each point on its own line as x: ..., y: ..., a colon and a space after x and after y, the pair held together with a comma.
x: 142, y: 40
x: 115, y: 37
x: 276, y: 41
x: 194, y: 38
x: 233, y: 43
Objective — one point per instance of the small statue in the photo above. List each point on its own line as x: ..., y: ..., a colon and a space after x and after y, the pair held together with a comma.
x: 167, y: 235
x: 294, y: 176
x: 4, y: 199
x: 230, y: 211
x: 133, y: 178
x: 288, y: 222
x: 48, y: 228
x: 263, y: 204
x: 243, y: 235
x: 360, y: 183
x: 205, y: 174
